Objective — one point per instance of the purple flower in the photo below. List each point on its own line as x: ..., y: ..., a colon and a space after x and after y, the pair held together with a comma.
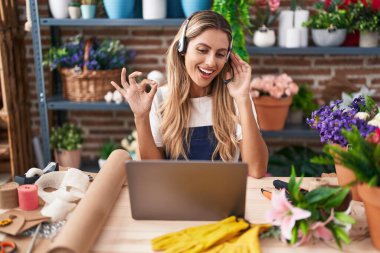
x: 330, y: 119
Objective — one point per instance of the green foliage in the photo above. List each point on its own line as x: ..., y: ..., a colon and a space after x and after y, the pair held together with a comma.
x: 74, y: 4
x: 89, y: 2
x: 320, y: 202
x: 107, y: 149
x: 364, y: 18
x: 67, y: 137
x: 237, y: 15
x: 332, y: 18
x: 280, y: 162
x: 363, y: 157
x: 304, y: 100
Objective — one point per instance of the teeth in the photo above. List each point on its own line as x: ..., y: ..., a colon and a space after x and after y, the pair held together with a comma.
x: 206, y: 71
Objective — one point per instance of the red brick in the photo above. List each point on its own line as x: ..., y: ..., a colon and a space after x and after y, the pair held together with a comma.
x: 287, y: 62
x: 335, y: 61
x: 142, y: 42
x: 373, y: 61
x: 310, y: 71
x: 147, y: 33
x: 145, y: 61
x: 358, y: 71
x: 375, y: 81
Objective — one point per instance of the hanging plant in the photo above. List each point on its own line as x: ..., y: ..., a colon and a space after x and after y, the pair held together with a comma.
x: 237, y: 15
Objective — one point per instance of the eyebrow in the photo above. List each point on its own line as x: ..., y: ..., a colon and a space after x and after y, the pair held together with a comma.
x: 205, y: 45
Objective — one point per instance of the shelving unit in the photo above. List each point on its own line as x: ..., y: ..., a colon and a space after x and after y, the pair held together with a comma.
x: 58, y: 103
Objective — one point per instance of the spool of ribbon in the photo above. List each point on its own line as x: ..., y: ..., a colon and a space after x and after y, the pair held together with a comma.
x: 28, y: 197
x: 8, y: 195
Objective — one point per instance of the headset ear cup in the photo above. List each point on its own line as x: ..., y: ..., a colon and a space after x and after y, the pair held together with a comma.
x: 182, y: 40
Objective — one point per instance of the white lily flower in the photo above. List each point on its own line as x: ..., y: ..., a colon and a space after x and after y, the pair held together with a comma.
x: 374, y: 122
x: 347, y: 100
x: 364, y: 91
x: 362, y: 115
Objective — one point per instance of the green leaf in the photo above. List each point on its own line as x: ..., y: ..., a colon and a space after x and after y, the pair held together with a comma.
x: 337, y: 199
x: 304, y: 227
x: 294, y: 238
x: 342, y: 235
x: 320, y: 194
x: 344, y: 218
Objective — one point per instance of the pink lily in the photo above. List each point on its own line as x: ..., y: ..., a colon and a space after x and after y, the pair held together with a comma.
x: 319, y: 228
x: 284, y: 214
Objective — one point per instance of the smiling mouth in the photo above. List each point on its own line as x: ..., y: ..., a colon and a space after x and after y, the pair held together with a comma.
x: 205, y: 72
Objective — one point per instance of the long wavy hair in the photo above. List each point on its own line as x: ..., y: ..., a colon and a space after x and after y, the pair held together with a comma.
x: 175, y: 110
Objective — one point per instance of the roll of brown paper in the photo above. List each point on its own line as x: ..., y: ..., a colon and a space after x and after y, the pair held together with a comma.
x: 8, y: 195
x: 85, y: 223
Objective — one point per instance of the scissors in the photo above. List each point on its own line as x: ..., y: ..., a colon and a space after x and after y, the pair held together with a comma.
x: 8, y: 247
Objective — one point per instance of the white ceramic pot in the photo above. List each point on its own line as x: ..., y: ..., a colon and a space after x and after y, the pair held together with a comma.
x: 154, y: 9
x: 74, y: 12
x: 328, y: 38
x: 59, y: 8
x: 264, y: 38
x: 101, y: 163
x: 368, y: 39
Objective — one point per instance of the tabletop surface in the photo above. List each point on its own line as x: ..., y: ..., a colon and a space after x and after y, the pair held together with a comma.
x: 121, y: 233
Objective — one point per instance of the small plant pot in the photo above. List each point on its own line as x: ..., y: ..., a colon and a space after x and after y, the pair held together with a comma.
x: 272, y: 112
x: 328, y: 37
x: 154, y: 9
x: 370, y: 196
x: 346, y: 176
x: 59, y: 8
x: 101, y: 162
x: 368, y: 39
x: 264, y: 37
x: 191, y: 6
x: 88, y: 11
x: 68, y: 158
x: 74, y: 12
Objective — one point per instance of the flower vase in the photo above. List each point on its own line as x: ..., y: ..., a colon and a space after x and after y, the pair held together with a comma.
x: 300, y: 17
x: 285, y: 22
x: 59, y: 8
x: 116, y: 9
x: 272, y: 112
x: 154, y: 9
x: 370, y: 196
x: 191, y: 6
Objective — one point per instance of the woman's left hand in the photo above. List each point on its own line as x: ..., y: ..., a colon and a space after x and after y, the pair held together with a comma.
x: 239, y: 85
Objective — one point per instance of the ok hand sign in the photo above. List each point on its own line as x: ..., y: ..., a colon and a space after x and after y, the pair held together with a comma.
x: 139, y: 100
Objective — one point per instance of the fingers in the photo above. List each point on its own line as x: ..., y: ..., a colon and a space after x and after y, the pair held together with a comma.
x: 132, y: 78
x: 118, y: 88
x: 144, y: 83
x: 123, y: 78
x: 153, y: 90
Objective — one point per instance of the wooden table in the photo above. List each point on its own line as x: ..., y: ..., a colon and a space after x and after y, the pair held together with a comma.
x: 121, y: 233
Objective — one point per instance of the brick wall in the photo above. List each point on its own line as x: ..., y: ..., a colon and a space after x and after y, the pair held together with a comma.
x: 151, y: 44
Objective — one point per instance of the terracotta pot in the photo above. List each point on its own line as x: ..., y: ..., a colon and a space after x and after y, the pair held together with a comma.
x: 272, y: 112
x: 370, y: 196
x: 346, y: 176
x: 68, y: 158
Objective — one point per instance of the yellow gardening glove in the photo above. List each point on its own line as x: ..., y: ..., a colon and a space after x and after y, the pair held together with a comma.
x: 223, y: 232
x: 168, y: 240
x: 248, y: 242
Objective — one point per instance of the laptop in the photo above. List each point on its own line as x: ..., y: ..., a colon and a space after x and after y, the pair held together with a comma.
x: 186, y: 190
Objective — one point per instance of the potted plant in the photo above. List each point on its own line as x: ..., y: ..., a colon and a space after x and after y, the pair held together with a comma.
x: 330, y: 119
x: 303, y: 105
x: 66, y: 141
x: 87, y: 67
x: 328, y: 27
x: 88, y: 9
x: 264, y: 14
x: 237, y: 15
x: 74, y: 10
x: 363, y: 159
x: 119, y: 8
x: 106, y: 149
x: 366, y: 19
x: 272, y: 96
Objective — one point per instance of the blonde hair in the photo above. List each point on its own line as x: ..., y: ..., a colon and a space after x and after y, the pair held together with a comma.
x: 175, y: 110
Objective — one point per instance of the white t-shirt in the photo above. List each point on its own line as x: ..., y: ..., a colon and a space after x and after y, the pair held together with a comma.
x: 200, y: 117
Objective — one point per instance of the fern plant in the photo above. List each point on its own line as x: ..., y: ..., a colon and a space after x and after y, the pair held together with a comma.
x: 237, y: 15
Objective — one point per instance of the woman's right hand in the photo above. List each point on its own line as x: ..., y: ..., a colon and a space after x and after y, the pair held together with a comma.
x: 139, y: 101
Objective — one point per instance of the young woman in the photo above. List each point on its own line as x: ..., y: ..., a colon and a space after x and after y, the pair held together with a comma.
x: 205, y: 111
